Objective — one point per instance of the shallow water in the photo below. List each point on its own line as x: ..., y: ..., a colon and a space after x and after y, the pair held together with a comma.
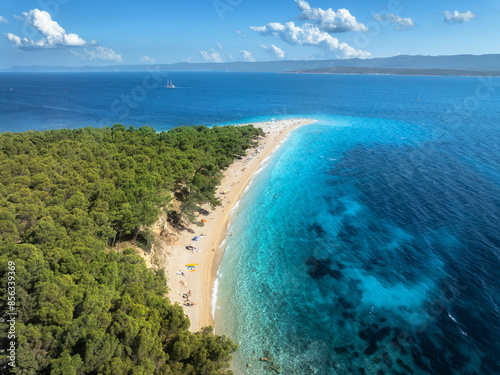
x: 358, y: 250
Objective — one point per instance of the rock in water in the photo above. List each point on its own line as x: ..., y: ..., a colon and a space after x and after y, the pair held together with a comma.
x: 276, y: 368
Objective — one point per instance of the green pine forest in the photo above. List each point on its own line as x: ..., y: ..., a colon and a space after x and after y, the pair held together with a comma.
x: 68, y: 199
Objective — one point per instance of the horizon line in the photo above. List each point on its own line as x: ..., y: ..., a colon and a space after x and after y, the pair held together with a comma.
x: 240, y: 61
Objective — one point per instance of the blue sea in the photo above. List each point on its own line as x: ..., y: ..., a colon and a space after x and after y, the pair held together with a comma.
x: 367, y: 244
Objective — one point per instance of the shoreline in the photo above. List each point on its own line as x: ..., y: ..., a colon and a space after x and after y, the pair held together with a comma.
x: 200, y: 281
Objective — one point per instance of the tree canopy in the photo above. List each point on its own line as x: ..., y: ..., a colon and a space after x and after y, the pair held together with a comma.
x: 68, y: 195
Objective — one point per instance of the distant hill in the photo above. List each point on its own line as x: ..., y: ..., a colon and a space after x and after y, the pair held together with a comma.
x: 398, y: 71
x: 453, y: 62
x: 456, y: 62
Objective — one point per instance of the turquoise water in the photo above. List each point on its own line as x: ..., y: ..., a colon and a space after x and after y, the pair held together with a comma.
x: 356, y: 251
x: 350, y: 254
x: 368, y: 244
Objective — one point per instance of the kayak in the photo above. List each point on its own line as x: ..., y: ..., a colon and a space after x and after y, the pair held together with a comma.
x: 192, y: 265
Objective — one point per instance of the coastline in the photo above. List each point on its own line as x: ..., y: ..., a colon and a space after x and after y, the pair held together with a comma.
x: 200, y: 281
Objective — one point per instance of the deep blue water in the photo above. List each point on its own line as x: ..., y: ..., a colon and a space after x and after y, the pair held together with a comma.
x: 369, y: 243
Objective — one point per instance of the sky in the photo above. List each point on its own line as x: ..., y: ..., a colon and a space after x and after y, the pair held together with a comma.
x: 77, y: 33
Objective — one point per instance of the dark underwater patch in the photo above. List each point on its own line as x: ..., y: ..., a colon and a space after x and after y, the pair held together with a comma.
x: 319, y: 268
x: 317, y: 228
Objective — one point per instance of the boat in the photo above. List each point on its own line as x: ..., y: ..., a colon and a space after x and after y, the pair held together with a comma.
x: 170, y: 85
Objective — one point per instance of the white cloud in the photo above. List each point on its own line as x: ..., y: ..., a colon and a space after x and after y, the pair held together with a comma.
x: 14, y: 39
x: 148, y: 60
x: 309, y: 35
x: 53, y: 35
x: 211, y: 56
x: 240, y: 33
x: 247, y: 56
x: 103, y: 53
x: 78, y: 54
x: 219, y: 46
x: 273, y: 50
x: 457, y: 17
x: 401, y: 23
x: 329, y: 20
x: 3, y: 20
x: 98, y: 53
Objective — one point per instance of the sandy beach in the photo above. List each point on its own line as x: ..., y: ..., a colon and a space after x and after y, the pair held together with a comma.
x: 197, y: 284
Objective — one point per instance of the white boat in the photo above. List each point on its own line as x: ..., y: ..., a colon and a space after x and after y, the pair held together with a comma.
x: 170, y: 85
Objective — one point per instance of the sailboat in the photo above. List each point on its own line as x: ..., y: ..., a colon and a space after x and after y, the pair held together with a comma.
x: 170, y: 85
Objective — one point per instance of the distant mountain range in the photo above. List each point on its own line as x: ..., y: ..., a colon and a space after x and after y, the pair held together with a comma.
x: 398, y: 71
x: 468, y: 63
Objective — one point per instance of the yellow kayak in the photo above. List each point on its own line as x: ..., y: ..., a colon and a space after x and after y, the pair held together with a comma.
x: 192, y: 265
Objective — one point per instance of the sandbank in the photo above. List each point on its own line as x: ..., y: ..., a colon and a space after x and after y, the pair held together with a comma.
x: 208, y: 254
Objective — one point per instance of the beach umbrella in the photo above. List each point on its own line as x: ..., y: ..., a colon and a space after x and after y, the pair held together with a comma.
x: 203, y: 221
x: 195, y: 239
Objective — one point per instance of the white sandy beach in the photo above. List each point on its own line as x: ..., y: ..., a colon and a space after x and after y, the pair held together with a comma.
x: 208, y: 255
